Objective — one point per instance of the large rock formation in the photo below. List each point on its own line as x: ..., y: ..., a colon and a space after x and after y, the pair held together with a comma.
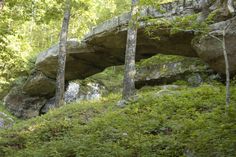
x: 105, y: 46
x: 39, y: 85
x: 166, y: 73
x: 210, y: 49
x: 22, y: 105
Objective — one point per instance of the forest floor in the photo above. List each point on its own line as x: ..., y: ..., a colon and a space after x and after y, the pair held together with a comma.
x: 181, y: 121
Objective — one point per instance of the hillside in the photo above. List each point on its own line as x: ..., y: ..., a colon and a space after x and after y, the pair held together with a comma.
x: 175, y: 122
x: 117, y: 78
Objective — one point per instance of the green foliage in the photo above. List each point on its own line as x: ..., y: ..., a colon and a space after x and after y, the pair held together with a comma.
x: 190, y: 121
x: 29, y: 27
x: 186, y: 23
x: 160, y: 59
x: 154, y: 3
x: 111, y: 78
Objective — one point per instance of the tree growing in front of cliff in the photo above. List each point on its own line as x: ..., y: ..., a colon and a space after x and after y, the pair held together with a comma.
x: 130, y: 70
x: 60, y: 84
x: 228, y: 9
x: 227, y: 73
x: 208, y: 10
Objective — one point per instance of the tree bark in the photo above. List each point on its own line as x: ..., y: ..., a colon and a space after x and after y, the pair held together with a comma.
x: 60, y: 85
x: 226, y: 71
x: 130, y: 70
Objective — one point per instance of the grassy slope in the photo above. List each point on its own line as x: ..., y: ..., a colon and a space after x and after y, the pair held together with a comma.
x: 189, y: 121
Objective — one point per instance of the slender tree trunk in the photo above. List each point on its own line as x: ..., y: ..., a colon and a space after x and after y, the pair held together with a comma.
x: 128, y: 83
x: 226, y: 71
x: 60, y: 85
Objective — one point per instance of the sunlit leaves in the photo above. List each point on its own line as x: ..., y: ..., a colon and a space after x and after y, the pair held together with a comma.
x: 28, y: 27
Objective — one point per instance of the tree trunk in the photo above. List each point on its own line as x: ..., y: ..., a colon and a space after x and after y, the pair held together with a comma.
x: 226, y: 71
x: 128, y: 83
x: 60, y: 85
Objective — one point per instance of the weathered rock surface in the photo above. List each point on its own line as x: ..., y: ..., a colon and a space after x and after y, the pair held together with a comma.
x: 166, y: 73
x: 5, y: 121
x: 39, y: 85
x: 76, y: 91
x: 105, y: 45
x: 22, y: 105
x: 210, y: 49
x: 158, y: 70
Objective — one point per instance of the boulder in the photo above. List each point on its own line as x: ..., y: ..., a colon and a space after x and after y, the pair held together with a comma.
x: 39, y: 85
x: 77, y: 91
x: 165, y: 73
x: 195, y: 80
x: 5, y: 121
x: 210, y: 49
x: 22, y: 105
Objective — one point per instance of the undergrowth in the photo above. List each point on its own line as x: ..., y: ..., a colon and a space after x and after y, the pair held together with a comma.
x: 186, y: 122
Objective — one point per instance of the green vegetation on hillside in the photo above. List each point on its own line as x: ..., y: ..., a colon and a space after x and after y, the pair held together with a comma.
x: 184, y: 122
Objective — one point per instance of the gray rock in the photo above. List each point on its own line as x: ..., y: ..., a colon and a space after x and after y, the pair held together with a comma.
x: 104, y: 46
x: 90, y: 91
x: 22, y: 105
x: 5, y: 121
x: 76, y: 92
x: 72, y: 91
x: 165, y: 73
x: 50, y: 104
x: 39, y: 85
x: 122, y: 103
x: 195, y: 80
x: 210, y: 49
x: 215, y: 77
x: 165, y: 92
x: 170, y: 87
